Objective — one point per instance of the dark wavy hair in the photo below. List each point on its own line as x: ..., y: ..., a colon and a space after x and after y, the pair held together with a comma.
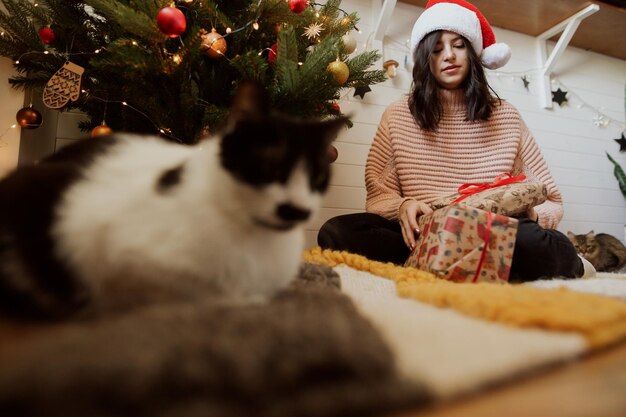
x: 424, y: 100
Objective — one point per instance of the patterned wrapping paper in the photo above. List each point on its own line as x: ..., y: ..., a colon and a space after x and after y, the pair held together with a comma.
x: 452, y: 245
x: 509, y: 200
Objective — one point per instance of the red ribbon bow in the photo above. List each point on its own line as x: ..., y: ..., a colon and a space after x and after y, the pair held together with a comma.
x: 469, y: 189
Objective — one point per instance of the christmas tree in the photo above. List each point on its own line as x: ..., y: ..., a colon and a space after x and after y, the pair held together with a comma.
x: 171, y: 66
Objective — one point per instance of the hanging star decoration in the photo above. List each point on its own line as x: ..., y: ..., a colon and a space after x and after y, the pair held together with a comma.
x: 313, y: 30
x: 622, y: 143
x: 558, y: 96
x: 526, y: 82
x: 361, y: 91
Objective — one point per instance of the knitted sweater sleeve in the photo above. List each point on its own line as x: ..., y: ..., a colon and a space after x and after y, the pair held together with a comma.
x: 530, y: 162
x: 384, y: 194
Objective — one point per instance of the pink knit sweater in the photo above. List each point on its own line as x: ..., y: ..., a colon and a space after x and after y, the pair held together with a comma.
x: 406, y: 162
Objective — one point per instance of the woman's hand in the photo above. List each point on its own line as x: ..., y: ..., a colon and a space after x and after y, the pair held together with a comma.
x: 532, y: 214
x: 409, y: 211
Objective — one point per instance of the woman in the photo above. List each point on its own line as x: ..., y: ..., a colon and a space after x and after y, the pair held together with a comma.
x: 450, y: 131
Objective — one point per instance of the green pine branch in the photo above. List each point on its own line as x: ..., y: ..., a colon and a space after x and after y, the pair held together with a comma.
x: 252, y: 67
x: 317, y: 61
x: 137, y: 21
x: 359, y: 73
x: 287, y: 75
x: 19, y: 36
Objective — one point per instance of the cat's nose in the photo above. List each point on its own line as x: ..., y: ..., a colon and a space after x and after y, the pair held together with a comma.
x: 289, y: 212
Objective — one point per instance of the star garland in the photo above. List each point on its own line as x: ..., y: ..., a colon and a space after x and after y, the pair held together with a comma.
x: 559, y: 96
x: 526, y: 82
x: 361, y: 91
x: 622, y: 143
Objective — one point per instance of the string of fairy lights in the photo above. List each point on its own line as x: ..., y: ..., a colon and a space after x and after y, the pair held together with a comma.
x: 599, y: 117
x: 213, y: 42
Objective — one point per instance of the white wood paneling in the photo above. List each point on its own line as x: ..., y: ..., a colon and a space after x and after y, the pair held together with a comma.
x: 351, y: 153
x: 68, y: 125
x: 359, y: 133
x: 349, y: 175
x: 339, y: 196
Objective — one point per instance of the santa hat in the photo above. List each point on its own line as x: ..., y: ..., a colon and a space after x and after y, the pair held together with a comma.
x: 465, y: 19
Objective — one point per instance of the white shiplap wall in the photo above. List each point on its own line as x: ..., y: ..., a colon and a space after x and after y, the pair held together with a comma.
x: 573, y: 147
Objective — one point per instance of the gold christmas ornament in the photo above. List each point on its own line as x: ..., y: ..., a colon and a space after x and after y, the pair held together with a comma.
x: 340, y: 72
x: 28, y: 118
x: 213, y: 44
x: 349, y: 44
x: 63, y: 86
x: 391, y: 67
x: 101, y: 130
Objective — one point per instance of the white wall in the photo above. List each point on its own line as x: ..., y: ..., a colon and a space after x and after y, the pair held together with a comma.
x: 10, y: 102
x: 573, y: 147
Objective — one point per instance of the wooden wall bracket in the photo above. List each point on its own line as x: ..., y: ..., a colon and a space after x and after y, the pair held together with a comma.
x: 568, y: 27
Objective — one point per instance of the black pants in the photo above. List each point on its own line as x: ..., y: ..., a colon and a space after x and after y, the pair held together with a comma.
x: 539, y: 252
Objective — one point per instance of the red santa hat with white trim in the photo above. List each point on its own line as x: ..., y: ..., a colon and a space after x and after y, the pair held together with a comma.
x: 463, y: 18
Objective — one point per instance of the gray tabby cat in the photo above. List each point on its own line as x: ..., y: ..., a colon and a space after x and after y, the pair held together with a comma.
x: 605, y: 252
x: 130, y: 217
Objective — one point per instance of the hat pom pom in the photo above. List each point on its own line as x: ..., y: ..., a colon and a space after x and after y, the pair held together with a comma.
x: 496, y: 55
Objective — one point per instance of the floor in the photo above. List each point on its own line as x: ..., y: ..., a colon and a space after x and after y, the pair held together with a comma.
x: 593, y: 386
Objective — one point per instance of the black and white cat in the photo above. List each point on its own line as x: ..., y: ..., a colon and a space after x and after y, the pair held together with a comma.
x: 122, y: 215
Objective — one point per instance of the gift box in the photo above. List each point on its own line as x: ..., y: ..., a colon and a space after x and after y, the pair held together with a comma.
x: 465, y: 244
x: 506, y: 195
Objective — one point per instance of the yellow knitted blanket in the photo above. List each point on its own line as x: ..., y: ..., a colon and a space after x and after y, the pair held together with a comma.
x: 601, y: 320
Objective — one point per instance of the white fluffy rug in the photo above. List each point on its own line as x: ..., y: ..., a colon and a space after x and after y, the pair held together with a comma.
x: 604, y: 283
x: 452, y: 353
x: 448, y: 352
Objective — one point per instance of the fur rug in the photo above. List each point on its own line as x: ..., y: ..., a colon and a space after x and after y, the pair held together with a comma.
x: 306, y: 353
x: 603, y: 283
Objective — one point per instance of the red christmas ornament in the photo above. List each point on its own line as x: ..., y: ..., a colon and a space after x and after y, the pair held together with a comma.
x: 297, y: 6
x: 273, y: 54
x: 171, y: 21
x: 333, y: 153
x: 335, y: 106
x: 46, y: 34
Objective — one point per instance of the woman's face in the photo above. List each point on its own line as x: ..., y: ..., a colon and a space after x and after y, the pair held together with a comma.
x: 448, y: 61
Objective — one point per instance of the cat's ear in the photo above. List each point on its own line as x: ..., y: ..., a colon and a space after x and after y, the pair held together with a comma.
x: 571, y: 235
x: 590, y: 234
x: 250, y: 103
